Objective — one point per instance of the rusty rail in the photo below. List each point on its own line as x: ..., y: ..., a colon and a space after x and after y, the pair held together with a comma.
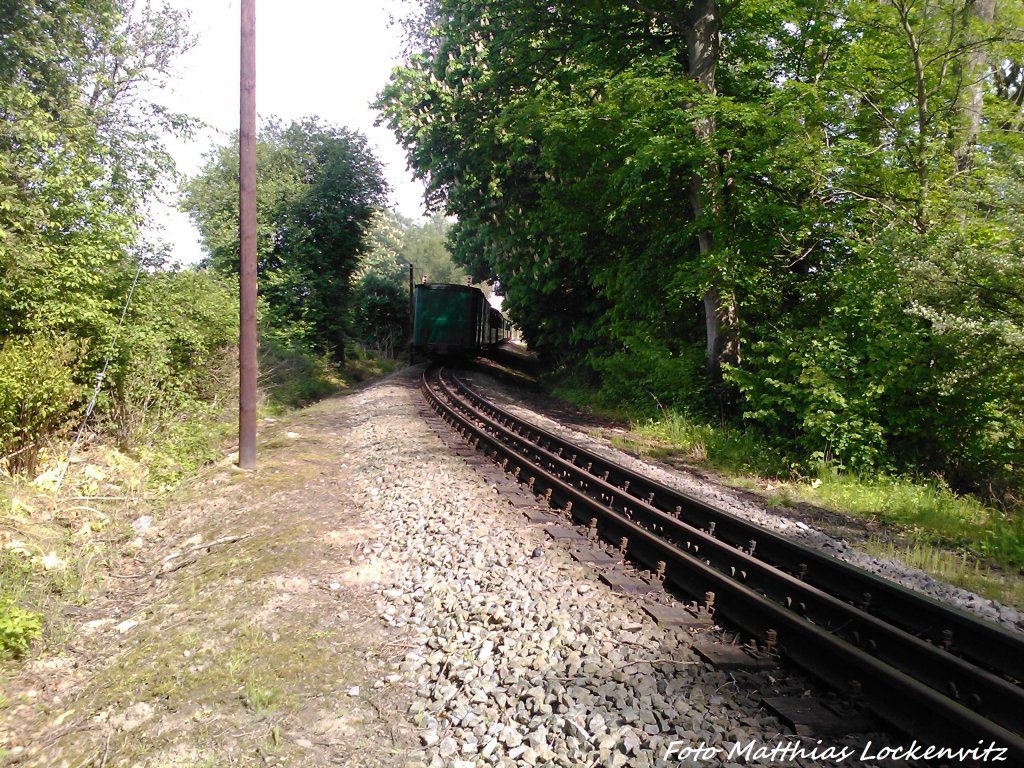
x: 918, y: 686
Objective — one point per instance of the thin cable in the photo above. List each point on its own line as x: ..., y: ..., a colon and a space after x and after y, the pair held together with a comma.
x: 99, y: 381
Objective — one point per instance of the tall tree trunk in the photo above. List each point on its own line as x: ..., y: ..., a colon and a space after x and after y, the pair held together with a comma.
x: 921, y: 143
x: 703, y: 23
x: 978, y: 13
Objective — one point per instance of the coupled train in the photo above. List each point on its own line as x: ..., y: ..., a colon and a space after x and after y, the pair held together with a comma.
x: 455, y: 321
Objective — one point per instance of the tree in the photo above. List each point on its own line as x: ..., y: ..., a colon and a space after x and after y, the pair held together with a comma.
x: 318, y: 187
x: 424, y: 245
x: 832, y: 184
x: 380, y: 288
x: 79, y: 156
x: 382, y: 281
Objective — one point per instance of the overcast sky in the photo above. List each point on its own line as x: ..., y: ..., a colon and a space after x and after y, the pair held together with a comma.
x: 313, y: 57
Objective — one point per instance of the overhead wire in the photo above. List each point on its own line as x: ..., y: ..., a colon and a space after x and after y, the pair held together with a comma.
x: 99, y: 381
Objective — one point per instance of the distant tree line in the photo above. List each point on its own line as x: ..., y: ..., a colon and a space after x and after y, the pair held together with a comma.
x: 381, y: 284
x: 803, y: 216
x: 332, y: 261
x: 318, y: 188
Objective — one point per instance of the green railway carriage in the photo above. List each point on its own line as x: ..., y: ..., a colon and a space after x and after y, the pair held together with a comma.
x: 454, y: 321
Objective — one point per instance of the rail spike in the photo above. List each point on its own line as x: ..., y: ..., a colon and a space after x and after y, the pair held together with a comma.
x: 988, y: 700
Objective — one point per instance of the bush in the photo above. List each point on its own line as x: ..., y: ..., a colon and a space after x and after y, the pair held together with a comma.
x: 176, y: 353
x: 292, y: 376
x: 648, y: 378
x: 812, y: 391
x: 37, y: 395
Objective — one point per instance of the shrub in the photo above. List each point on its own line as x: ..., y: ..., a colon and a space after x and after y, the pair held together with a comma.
x: 18, y: 628
x: 175, y: 353
x: 649, y: 379
x: 37, y: 395
x: 292, y: 376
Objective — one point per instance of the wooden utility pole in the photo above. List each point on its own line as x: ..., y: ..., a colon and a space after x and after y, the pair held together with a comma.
x: 247, y: 236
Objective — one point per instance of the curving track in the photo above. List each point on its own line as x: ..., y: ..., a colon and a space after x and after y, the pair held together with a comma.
x: 933, y: 671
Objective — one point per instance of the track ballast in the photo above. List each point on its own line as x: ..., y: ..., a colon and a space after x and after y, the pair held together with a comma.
x: 929, y: 669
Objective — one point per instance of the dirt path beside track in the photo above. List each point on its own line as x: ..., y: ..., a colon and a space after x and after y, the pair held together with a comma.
x: 245, y: 631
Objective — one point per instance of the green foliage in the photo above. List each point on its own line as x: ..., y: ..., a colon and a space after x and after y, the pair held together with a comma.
x: 175, y: 353
x: 317, y: 190
x: 928, y: 509
x: 180, y: 445
x: 292, y: 376
x: 648, y: 378
x: 380, y: 288
x: 959, y: 568
x: 381, y: 284
x: 258, y: 697
x: 726, y: 449
x: 360, y: 367
x: 382, y: 311
x: 18, y: 628
x: 37, y: 395
x: 80, y: 155
x: 860, y: 218
x: 425, y: 246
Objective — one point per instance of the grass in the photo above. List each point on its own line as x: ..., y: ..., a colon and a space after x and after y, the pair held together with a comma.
x: 925, y: 510
x: 957, y: 568
x: 572, y: 391
x: 951, y: 536
x: 55, y: 547
x: 723, y: 448
x: 183, y: 446
x: 257, y: 697
x: 292, y: 378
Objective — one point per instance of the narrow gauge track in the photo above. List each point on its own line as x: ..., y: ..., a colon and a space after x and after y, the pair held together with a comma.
x: 930, y: 670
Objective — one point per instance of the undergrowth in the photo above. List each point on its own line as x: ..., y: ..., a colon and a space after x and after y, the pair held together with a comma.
x: 926, y: 509
x: 957, y: 568
x: 18, y: 628
x: 723, y: 448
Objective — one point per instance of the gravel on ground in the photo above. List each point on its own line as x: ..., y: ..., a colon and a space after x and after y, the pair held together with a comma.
x: 366, y: 598
x: 537, y: 409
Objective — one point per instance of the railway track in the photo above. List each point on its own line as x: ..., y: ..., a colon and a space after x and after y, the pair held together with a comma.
x: 933, y: 671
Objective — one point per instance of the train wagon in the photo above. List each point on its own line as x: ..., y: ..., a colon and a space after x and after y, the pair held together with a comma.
x: 454, y: 321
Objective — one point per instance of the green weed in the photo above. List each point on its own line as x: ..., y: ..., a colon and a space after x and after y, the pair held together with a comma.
x: 18, y: 628
x: 258, y: 698
x: 957, y: 568
x: 925, y: 510
x: 722, y: 447
x: 182, y: 446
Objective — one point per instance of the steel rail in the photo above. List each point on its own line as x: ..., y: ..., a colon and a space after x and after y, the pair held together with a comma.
x: 906, y: 702
x: 990, y: 695
x: 987, y: 645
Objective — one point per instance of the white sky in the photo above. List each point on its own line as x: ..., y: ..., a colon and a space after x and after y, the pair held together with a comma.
x: 313, y: 57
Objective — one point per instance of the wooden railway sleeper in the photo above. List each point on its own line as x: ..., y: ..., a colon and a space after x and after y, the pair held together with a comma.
x: 815, y: 660
x: 983, y: 643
